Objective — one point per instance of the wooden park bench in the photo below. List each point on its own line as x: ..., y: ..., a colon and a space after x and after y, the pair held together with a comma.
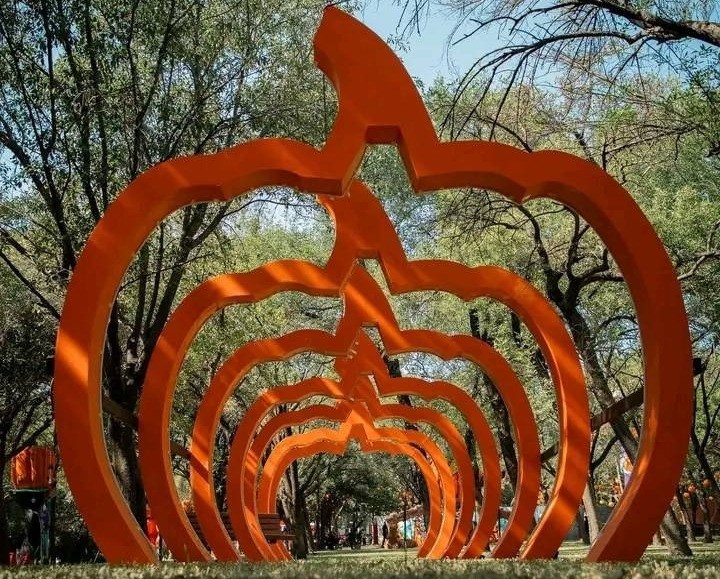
x: 269, y: 523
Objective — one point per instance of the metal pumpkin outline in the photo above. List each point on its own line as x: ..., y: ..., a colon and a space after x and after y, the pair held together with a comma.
x: 365, y: 305
x: 357, y: 400
x: 378, y: 103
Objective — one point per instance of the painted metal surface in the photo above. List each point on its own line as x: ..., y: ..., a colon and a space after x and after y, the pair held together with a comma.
x: 378, y: 103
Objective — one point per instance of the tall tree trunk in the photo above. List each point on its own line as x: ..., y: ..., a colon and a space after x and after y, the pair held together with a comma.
x: 702, y: 504
x: 686, y: 515
x: 127, y: 469
x: 676, y: 543
x: 599, y: 386
x: 471, y: 445
x: 318, y: 523
x: 292, y: 501
x: 418, y: 480
x: 299, y: 522
x: 582, y: 531
x: 123, y: 386
x: 588, y: 500
x: 219, y: 466
x: 500, y: 413
x: 707, y: 470
x: 326, y: 517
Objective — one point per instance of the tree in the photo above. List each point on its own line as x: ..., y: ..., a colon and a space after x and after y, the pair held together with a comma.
x: 25, y: 408
x: 585, y: 47
x: 354, y: 486
x: 93, y: 93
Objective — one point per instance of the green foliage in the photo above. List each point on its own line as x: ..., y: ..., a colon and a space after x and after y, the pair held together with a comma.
x: 357, y: 486
x: 26, y: 339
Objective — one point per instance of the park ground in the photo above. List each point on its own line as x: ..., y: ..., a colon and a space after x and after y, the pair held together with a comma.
x: 382, y: 564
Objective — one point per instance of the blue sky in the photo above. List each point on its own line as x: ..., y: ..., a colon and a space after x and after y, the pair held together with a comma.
x: 429, y: 54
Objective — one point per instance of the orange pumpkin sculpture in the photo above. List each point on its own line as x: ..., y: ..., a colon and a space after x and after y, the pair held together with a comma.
x: 441, y: 507
x: 358, y: 404
x: 378, y: 103
x: 365, y: 305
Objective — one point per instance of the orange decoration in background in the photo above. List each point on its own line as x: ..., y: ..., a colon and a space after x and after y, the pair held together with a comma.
x: 378, y: 103
x: 33, y: 468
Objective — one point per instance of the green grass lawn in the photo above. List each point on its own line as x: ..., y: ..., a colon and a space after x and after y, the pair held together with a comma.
x: 373, y: 563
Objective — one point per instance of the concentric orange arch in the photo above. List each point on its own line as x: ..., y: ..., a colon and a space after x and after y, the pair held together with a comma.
x: 365, y: 305
x: 378, y: 103
x: 333, y: 414
x: 351, y: 390
x: 361, y: 429
x: 244, y: 459
x: 388, y: 440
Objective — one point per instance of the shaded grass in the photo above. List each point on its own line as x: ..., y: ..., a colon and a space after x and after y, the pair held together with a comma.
x: 377, y: 564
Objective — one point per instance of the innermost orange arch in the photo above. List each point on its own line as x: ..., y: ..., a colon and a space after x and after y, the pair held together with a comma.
x: 326, y: 440
x: 244, y: 461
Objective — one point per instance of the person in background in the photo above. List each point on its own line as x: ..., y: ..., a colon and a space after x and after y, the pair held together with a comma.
x: 153, y: 533
x: 44, y: 534
x: 385, y: 532
x: 33, y: 532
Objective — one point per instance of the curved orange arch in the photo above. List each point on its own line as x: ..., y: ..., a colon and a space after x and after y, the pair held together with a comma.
x: 244, y: 461
x: 361, y: 290
x: 380, y: 104
x: 331, y: 413
x: 463, y: 529
x: 435, y: 491
x: 494, y: 364
x: 497, y: 368
x: 292, y: 448
x: 431, y: 476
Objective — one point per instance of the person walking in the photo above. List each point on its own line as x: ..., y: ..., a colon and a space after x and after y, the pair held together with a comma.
x: 385, y: 532
x: 44, y: 534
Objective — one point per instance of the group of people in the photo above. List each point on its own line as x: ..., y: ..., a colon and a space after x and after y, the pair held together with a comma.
x: 35, y: 546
